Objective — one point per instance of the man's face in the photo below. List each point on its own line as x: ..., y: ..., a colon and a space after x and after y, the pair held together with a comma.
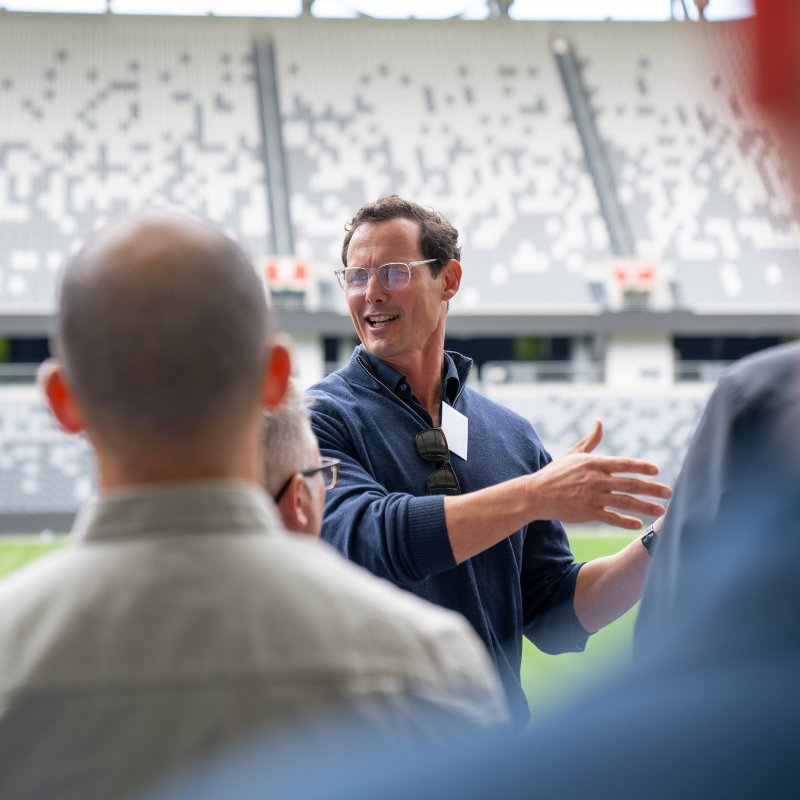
x: 394, y: 325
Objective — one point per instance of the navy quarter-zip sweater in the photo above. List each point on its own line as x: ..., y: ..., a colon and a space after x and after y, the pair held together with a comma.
x: 381, y: 517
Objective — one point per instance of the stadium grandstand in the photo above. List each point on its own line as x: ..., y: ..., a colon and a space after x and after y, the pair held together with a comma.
x: 626, y: 229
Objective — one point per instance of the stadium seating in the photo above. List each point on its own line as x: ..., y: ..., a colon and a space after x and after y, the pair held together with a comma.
x: 697, y: 175
x: 467, y: 118
x: 655, y: 428
x: 43, y: 471
x: 99, y: 117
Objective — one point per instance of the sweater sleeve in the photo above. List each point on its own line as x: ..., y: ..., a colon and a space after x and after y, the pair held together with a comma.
x: 547, y: 579
x: 395, y: 535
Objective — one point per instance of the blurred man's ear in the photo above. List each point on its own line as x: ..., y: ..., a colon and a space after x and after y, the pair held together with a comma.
x: 277, y: 373
x: 295, y: 505
x: 59, y: 396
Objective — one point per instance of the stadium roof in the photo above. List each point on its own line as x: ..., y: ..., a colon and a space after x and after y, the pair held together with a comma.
x: 653, y: 10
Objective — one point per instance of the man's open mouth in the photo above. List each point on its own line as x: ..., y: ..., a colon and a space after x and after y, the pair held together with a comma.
x: 380, y: 320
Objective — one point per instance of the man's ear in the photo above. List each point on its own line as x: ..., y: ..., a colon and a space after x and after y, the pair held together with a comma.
x: 452, y: 279
x: 59, y: 396
x: 295, y: 504
x: 277, y: 373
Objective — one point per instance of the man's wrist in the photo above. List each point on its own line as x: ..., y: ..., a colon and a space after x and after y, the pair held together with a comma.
x: 532, y: 494
x: 649, y: 540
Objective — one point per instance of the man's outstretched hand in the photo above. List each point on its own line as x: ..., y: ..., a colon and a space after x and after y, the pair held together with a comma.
x: 580, y: 486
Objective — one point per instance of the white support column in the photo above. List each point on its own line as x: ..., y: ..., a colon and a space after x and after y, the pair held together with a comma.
x: 639, y: 362
x: 307, y: 360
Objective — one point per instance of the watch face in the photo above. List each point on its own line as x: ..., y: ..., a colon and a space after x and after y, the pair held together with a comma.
x: 649, y: 540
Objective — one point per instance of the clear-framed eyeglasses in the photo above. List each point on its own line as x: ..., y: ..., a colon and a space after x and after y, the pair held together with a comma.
x: 394, y: 275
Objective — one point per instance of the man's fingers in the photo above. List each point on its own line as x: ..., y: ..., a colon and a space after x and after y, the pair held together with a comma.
x: 619, y: 520
x: 629, y: 485
x: 625, y: 502
x: 635, y: 465
x: 590, y: 441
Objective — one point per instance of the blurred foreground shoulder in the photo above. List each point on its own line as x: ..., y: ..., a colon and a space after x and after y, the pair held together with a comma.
x: 428, y: 651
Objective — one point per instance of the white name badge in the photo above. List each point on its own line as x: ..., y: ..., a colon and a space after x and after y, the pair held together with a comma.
x: 456, y: 430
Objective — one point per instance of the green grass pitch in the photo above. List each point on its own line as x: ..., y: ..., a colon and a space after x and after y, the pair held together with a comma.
x: 551, y: 680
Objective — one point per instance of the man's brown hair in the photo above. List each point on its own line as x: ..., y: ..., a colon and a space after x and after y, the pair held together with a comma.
x: 438, y: 237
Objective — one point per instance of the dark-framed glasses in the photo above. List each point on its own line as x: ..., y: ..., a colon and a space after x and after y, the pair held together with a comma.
x: 432, y: 446
x: 394, y: 275
x: 328, y: 470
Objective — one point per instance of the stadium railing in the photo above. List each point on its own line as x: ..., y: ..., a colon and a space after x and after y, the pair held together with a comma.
x: 18, y: 373
x: 494, y: 372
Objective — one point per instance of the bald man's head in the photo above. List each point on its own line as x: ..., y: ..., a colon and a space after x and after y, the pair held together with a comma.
x: 162, y: 328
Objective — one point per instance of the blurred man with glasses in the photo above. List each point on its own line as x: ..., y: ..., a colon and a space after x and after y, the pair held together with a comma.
x: 446, y: 493
x: 295, y: 475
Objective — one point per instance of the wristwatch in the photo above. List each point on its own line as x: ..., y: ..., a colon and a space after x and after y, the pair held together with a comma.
x: 649, y: 540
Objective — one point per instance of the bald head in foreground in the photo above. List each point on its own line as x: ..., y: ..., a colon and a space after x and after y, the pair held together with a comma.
x: 181, y: 617
x: 163, y: 352
x: 163, y: 343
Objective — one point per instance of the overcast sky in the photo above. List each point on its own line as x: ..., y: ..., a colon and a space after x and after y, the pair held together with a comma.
x: 422, y: 9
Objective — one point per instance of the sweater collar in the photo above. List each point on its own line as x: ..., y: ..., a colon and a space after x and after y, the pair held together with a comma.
x: 456, y: 370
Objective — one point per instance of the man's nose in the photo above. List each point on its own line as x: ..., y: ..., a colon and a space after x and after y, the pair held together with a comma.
x: 376, y: 291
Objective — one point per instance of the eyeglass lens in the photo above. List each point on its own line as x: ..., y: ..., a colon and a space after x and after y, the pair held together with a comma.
x: 329, y: 474
x: 392, y: 276
x: 328, y: 471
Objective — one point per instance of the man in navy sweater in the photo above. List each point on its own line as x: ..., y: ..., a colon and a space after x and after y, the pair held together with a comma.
x: 446, y: 493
